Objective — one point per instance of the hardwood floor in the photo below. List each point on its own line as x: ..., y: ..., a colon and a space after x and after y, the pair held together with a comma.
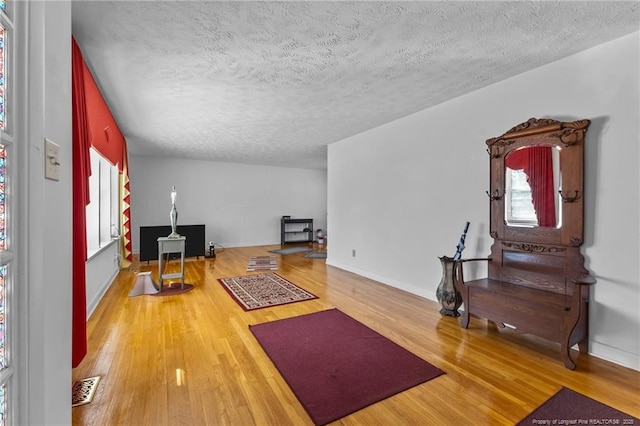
x: 190, y: 359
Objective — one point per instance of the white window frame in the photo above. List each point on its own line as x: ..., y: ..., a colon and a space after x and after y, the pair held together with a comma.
x: 517, y: 188
x: 102, y: 218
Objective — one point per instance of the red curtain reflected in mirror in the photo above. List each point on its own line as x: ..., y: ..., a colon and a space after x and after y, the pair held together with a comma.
x: 537, y: 164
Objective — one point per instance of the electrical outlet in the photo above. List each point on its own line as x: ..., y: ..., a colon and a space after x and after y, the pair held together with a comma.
x: 51, y: 160
x: 353, y: 253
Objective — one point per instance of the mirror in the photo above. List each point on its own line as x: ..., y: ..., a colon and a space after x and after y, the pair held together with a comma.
x: 532, y: 182
x: 536, y: 183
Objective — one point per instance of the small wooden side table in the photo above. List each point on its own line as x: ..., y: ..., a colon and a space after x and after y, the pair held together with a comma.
x: 171, y: 245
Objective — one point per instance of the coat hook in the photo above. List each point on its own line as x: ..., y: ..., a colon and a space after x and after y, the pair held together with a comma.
x: 494, y: 197
x: 492, y: 156
x: 569, y: 199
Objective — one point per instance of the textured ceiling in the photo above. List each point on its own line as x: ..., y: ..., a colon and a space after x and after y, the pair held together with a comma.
x: 275, y: 82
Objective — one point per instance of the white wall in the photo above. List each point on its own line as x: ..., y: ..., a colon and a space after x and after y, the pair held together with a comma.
x: 241, y: 205
x: 44, y: 278
x: 102, y: 268
x: 399, y: 194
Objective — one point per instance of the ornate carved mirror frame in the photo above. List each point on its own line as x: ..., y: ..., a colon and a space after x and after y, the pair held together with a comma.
x: 567, y: 138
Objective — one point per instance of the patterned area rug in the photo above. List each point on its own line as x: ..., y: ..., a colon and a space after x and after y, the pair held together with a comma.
x: 263, y: 290
x: 262, y: 263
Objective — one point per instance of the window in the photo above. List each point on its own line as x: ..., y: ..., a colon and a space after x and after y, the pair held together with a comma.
x: 519, y: 206
x: 8, y: 314
x: 102, y: 210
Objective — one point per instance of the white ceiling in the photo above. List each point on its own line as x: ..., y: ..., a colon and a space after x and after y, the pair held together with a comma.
x: 275, y: 82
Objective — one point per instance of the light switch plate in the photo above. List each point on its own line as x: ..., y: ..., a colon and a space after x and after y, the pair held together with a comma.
x: 51, y: 160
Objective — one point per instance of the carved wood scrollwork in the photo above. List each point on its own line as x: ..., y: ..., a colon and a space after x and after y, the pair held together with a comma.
x: 499, y: 142
x: 533, y: 123
x: 533, y: 248
x: 568, y: 133
x: 575, y: 242
x: 492, y: 155
x: 572, y: 132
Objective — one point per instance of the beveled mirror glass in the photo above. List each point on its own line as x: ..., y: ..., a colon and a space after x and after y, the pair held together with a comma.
x: 532, y: 181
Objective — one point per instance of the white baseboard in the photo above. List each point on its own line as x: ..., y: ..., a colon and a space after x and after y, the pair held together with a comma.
x: 93, y: 304
x: 385, y: 280
x: 615, y: 355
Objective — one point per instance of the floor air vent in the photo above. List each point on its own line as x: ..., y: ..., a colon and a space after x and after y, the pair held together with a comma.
x: 82, y: 391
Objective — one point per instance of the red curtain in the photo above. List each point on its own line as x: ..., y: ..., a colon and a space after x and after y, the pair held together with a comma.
x: 105, y: 135
x: 537, y: 163
x: 80, y: 181
x: 107, y: 139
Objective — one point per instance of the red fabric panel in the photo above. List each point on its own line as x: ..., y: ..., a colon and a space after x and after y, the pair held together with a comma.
x: 518, y: 160
x: 541, y: 181
x: 537, y: 163
x: 125, y: 208
x: 80, y: 182
x: 105, y: 135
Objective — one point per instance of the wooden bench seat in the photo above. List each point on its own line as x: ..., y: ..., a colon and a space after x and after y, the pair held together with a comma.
x: 557, y: 317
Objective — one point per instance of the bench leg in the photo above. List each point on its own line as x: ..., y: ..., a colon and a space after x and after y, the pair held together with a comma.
x: 583, y: 345
x: 575, y: 327
x: 464, y: 318
x: 566, y: 357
